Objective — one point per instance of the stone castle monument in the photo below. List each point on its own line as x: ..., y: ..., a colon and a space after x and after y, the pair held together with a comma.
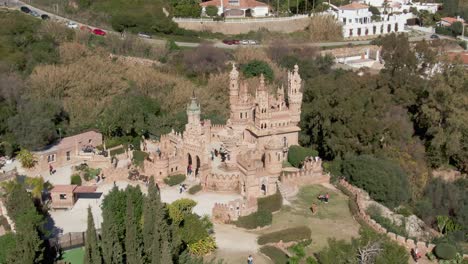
x: 252, y: 145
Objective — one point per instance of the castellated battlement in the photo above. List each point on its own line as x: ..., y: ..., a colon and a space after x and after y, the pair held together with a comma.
x: 311, y: 173
x: 222, y: 182
x: 231, y: 211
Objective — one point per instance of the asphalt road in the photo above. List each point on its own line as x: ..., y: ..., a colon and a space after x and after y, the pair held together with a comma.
x: 14, y: 4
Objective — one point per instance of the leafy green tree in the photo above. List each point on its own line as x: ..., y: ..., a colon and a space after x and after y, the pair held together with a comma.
x: 193, y: 229
x: 256, y: 68
x: 26, y: 158
x: 211, y: 11
x: 457, y: 28
x: 7, y: 244
x: 297, y: 154
x: 29, y: 247
x: 384, y: 180
x: 133, y: 249
x: 92, y: 250
x: 36, y: 123
x: 37, y: 186
x: 181, y: 208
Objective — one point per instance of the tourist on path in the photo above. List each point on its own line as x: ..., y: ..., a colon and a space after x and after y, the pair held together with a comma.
x: 250, y: 259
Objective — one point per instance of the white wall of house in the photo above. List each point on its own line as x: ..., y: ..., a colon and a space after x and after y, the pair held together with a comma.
x: 260, y: 11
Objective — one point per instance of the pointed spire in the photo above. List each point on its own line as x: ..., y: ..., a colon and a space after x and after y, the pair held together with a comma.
x: 234, y: 73
x: 262, y: 83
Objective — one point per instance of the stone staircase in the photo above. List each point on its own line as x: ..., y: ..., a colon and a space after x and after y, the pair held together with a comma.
x: 287, y: 192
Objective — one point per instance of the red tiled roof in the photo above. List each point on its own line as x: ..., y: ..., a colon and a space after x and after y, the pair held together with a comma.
x: 455, y: 56
x: 63, y: 188
x: 450, y: 20
x: 242, y: 4
x: 85, y: 189
x: 353, y: 6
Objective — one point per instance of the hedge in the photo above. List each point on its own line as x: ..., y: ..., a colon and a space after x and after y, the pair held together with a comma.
x: 297, y: 154
x: 139, y: 157
x: 174, y: 179
x: 275, y: 254
x: 254, y: 220
x: 445, y: 251
x: 194, y: 189
x: 270, y: 203
x: 76, y: 179
x: 287, y: 235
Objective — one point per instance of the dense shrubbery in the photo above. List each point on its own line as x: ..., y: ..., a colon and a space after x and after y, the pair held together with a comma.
x: 270, y: 203
x: 254, y: 220
x: 375, y: 213
x: 255, y: 68
x: 445, y: 251
x: 194, y: 189
x: 297, y: 154
x: 286, y: 235
x: 275, y: 254
x: 76, y: 179
x: 139, y: 157
x: 174, y: 179
x: 385, y: 181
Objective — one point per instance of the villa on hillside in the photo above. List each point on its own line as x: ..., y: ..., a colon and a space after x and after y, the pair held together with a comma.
x: 238, y: 8
x: 448, y: 21
x: 358, y: 21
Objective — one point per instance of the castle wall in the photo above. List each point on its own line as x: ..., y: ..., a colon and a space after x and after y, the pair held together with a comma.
x: 231, y: 211
x: 312, y: 173
x: 228, y: 182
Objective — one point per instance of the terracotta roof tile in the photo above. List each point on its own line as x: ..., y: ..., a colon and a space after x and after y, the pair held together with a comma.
x: 450, y: 20
x: 455, y: 56
x: 353, y: 6
x: 242, y: 3
x: 63, y: 188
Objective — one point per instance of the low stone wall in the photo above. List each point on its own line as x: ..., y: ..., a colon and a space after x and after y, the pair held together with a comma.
x: 3, y: 212
x: 226, y: 182
x: 357, y: 194
x: 227, y: 212
x: 241, y: 27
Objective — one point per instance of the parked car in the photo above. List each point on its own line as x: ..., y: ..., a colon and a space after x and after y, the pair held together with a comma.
x: 252, y: 42
x: 434, y: 36
x: 86, y: 28
x: 72, y: 25
x: 230, y: 41
x: 144, y: 35
x: 34, y: 14
x: 25, y: 9
x: 99, y: 32
x: 45, y: 17
x: 244, y: 42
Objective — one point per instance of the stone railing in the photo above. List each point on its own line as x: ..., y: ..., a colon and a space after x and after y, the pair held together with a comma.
x: 222, y: 182
x: 357, y: 195
x: 231, y: 211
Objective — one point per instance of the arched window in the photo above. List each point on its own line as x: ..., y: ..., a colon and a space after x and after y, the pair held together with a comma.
x: 241, y: 115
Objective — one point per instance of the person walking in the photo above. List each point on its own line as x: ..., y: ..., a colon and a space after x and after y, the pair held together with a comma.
x: 250, y: 259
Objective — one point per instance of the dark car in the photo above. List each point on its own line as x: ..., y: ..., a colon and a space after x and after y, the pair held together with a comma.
x: 99, y: 32
x: 434, y: 36
x: 231, y: 42
x: 25, y: 9
x: 45, y: 17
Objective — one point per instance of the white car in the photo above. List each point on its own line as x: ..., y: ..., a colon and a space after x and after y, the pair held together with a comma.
x: 252, y: 42
x: 72, y: 25
x: 244, y: 42
x: 144, y: 35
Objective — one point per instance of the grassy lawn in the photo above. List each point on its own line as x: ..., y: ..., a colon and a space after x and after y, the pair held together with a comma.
x: 331, y: 220
x: 74, y: 256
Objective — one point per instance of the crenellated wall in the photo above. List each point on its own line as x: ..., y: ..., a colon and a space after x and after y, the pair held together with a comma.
x: 227, y: 212
x: 226, y: 182
x: 357, y: 195
x: 311, y: 173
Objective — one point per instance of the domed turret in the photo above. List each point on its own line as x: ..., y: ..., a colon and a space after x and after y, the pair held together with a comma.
x: 274, y: 155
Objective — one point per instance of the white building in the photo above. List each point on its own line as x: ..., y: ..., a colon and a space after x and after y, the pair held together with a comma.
x: 357, y: 21
x: 238, y: 8
x: 403, y: 6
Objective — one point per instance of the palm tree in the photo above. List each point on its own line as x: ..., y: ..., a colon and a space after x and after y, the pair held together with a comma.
x: 37, y: 186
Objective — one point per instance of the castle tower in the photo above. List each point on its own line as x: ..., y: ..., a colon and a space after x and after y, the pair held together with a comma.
x: 295, y: 95
x: 274, y: 155
x: 193, y: 113
x: 262, y: 107
x: 233, y: 85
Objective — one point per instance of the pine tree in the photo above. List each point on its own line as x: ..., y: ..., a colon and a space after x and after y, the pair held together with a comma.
x: 133, y: 248
x: 92, y: 250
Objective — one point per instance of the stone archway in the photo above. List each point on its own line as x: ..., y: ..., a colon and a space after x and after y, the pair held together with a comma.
x: 264, y: 186
x: 197, y: 168
x: 189, y: 164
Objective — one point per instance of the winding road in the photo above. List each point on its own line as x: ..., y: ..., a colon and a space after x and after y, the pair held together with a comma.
x: 15, y: 4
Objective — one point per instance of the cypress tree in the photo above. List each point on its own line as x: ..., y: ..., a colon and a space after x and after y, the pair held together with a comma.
x: 113, y: 227
x: 133, y: 250
x: 151, y: 207
x: 155, y: 257
x: 92, y: 250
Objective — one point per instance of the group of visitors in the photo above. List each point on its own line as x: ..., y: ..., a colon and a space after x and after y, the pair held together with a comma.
x: 222, y: 152
x: 324, y: 198
x: 182, y: 188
